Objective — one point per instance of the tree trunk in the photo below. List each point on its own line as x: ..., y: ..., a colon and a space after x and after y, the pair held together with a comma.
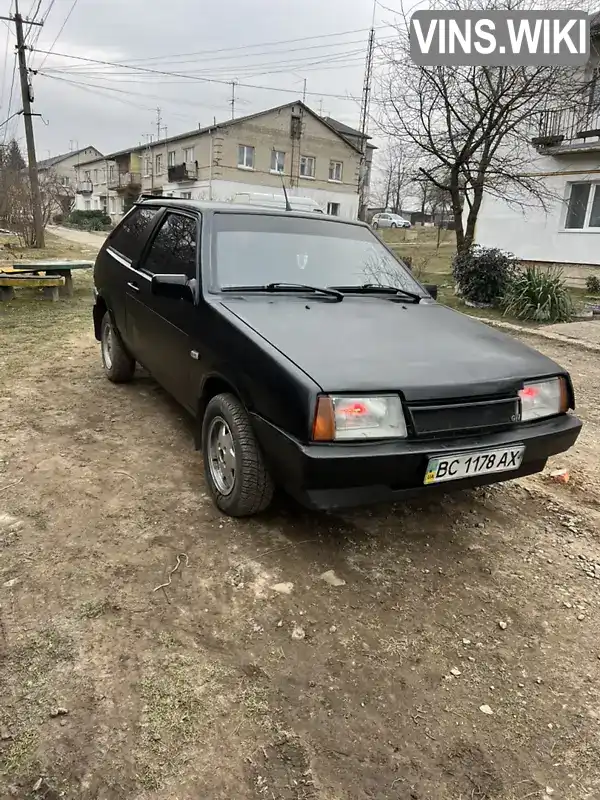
x: 458, y: 219
x: 469, y: 235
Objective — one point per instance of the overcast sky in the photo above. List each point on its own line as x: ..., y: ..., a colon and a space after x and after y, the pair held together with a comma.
x: 113, y: 108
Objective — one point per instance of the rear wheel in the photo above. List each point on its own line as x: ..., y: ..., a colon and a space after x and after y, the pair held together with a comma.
x: 233, y: 463
x: 375, y: 225
x: 393, y: 225
x: 119, y: 366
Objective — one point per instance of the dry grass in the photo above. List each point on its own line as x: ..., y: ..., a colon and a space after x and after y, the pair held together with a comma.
x: 56, y: 248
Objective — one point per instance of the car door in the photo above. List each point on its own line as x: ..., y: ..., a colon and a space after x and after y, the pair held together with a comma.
x: 117, y: 263
x: 384, y: 221
x: 162, y: 326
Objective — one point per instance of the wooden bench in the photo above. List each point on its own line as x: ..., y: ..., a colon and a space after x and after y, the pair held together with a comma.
x: 62, y: 269
x: 50, y: 285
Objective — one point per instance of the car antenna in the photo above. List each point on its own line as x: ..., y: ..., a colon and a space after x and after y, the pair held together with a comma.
x: 287, y: 202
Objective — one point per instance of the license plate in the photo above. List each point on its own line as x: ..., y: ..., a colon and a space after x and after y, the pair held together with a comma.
x: 455, y: 466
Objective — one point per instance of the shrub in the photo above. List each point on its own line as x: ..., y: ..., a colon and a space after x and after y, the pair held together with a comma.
x: 408, y: 260
x: 58, y: 219
x: 592, y: 284
x: 90, y: 220
x: 483, y: 274
x: 538, y: 295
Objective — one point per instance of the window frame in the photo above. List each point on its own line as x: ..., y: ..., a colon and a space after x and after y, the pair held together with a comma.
x: 147, y: 166
x: 151, y: 225
x: 333, y: 163
x: 158, y: 164
x: 161, y: 219
x: 274, y: 170
x: 246, y: 148
x: 339, y: 208
x: 586, y: 227
x: 191, y: 150
x: 171, y: 158
x: 307, y: 158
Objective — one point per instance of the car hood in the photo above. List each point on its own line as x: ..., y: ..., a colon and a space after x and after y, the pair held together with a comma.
x: 366, y: 344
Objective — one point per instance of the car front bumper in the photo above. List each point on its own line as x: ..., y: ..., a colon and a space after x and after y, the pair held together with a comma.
x: 326, y: 476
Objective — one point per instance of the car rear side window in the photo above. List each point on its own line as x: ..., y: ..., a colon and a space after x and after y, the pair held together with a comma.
x: 128, y: 237
x: 173, y: 249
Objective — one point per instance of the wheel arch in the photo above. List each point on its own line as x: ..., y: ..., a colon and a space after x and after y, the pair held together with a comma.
x: 211, y: 386
x: 100, y: 309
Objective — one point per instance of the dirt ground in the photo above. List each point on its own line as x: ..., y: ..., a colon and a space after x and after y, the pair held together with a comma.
x: 251, y: 676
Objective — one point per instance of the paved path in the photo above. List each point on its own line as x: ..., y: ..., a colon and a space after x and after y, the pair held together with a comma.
x: 89, y: 238
x: 587, y: 331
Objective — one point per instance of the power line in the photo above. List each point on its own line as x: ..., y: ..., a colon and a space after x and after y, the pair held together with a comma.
x: 201, y: 79
x: 5, y: 63
x: 62, y: 27
x: 12, y: 86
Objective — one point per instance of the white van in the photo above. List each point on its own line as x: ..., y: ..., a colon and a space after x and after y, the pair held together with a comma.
x: 265, y: 200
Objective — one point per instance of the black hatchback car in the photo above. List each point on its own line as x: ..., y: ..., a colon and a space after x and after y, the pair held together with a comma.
x: 313, y: 360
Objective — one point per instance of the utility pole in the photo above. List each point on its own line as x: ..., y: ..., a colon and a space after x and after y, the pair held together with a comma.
x: 232, y: 101
x: 158, y: 124
x: 26, y: 94
x: 364, y: 118
x: 304, y: 92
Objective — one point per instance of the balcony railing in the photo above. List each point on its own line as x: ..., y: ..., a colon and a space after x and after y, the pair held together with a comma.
x: 84, y: 187
x: 125, y: 180
x: 183, y: 172
x: 567, y: 126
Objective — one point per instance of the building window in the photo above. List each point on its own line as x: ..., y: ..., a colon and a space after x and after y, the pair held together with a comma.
x: 335, y: 171
x: 333, y: 209
x: 307, y: 166
x: 111, y: 172
x: 188, y: 154
x: 171, y: 158
x: 186, y: 195
x: 87, y: 205
x: 277, y: 161
x: 147, y: 166
x: 95, y: 176
x: 87, y: 175
x: 158, y: 162
x: 245, y: 156
x: 583, y: 207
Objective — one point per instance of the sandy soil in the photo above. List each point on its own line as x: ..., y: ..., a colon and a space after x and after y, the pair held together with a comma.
x: 251, y: 676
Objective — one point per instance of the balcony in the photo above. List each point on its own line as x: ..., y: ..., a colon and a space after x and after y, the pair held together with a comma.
x: 125, y: 181
x: 183, y: 172
x: 567, y: 130
x: 84, y: 187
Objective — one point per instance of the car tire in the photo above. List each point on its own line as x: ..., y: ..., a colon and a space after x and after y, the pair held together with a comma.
x: 119, y: 366
x: 238, y: 480
x: 393, y: 225
x: 375, y: 226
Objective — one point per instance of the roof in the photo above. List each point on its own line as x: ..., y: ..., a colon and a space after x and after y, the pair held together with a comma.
x: 230, y: 122
x: 345, y: 130
x: 54, y: 160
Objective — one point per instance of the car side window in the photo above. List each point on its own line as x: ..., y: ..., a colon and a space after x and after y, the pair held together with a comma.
x: 173, y: 249
x: 127, y: 238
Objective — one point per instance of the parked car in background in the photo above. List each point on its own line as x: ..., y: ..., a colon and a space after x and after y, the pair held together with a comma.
x: 313, y: 360
x: 389, y: 220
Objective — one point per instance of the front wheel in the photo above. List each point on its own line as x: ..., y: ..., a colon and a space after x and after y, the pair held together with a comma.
x: 233, y: 463
x: 393, y: 225
x: 119, y: 366
x: 375, y: 226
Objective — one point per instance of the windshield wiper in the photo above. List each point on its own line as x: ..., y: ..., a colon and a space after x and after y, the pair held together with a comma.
x: 280, y: 286
x: 377, y: 288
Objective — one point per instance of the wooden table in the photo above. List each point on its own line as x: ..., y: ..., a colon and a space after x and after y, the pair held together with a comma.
x: 55, y: 267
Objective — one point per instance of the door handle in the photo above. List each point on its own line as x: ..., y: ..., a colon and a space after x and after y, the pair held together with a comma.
x: 133, y: 286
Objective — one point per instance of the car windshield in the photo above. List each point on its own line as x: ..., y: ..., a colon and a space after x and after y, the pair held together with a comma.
x: 256, y: 249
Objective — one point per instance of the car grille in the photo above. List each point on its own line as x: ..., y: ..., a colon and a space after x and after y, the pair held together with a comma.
x: 437, y: 421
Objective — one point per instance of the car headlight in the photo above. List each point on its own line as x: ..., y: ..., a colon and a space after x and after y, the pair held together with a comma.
x: 543, y: 399
x: 344, y: 417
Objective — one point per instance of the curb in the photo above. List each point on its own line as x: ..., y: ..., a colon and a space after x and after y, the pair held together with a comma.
x: 555, y: 337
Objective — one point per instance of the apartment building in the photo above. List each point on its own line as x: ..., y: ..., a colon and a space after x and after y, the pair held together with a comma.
x: 63, y: 168
x: 316, y: 157
x: 565, y: 156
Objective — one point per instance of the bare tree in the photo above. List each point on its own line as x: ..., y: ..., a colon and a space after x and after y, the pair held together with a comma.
x: 473, y: 125
x: 397, y: 170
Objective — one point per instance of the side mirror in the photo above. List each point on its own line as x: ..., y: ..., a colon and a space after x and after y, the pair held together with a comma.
x: 176, y: 287
x: 432, y: 289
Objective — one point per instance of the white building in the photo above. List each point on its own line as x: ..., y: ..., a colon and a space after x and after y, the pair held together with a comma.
x: 565, y: 154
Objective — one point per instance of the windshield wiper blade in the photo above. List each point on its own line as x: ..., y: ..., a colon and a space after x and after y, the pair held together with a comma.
x: 377, y: 288
x: 280, y: 286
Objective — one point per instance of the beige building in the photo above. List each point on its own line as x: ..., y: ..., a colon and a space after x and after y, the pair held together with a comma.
x: 316, y: 157
x: 63, y: 169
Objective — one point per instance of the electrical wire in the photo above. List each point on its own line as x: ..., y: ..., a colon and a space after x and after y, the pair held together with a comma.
x: 5, y: 60
x: 62, y: 27
x: 12, y: 86
x: 197, y: 78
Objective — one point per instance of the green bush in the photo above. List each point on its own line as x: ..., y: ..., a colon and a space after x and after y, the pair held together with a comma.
x: 89, y: 220
x: 483, y: 274
x: 592, y: 284
x: 538, y: 295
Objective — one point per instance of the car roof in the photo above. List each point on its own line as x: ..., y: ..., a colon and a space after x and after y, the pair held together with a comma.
x: 239, y: 208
